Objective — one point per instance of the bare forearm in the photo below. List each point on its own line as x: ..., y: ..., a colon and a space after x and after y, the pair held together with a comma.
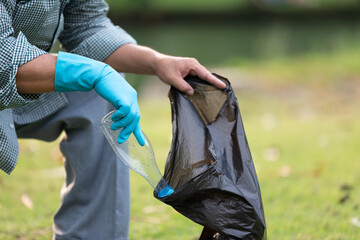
x: 132, y: 58
x: 37, y: 75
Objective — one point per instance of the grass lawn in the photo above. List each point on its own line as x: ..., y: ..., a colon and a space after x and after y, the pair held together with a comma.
x: 303, y: 134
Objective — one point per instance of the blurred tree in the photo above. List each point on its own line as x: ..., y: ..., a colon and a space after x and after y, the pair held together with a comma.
x: 320, y: 4
x: 141, y: 6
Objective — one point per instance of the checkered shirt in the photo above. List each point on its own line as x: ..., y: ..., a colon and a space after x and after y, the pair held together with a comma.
x: 28, y: 29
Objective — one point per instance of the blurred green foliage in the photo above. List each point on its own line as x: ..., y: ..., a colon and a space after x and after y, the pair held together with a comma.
x: 174, y: 6
x: 184, y: 6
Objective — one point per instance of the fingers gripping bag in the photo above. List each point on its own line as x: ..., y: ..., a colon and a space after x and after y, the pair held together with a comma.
x: 210, y: 165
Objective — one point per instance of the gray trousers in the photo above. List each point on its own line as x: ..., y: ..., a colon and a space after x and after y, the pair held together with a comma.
x: 95, y: 201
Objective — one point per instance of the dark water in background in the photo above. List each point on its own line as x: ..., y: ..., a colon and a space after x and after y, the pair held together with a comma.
x: 222, y: 43
x: 225, y: 43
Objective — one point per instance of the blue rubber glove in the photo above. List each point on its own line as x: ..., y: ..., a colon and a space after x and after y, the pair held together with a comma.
x: 76, y: 73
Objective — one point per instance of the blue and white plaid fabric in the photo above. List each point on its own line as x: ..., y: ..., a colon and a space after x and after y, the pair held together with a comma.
x: 28, y: 29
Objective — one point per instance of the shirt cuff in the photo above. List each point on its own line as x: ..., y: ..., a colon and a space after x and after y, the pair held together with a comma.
x: 18, y: 51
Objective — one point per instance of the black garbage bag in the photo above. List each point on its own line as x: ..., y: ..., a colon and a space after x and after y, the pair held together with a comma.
x: 210, y: 166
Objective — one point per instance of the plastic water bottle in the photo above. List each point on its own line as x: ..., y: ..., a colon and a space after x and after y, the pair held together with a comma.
x: 140, y: 159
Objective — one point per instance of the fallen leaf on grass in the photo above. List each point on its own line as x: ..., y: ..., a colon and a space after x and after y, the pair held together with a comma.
x: 33, y: 146
x: 319, y: 169
x: 152, y: 220
x: 346, y: 187
x: 26, y: 201
x: 344, y: 198
x: 269, y: 121
x: 56, y: 155
x: 285, y: 171
x: 355, y: 221
x: 151, y: 209
x: 323, y: 141
x: 58, y: 172
x: 271, y: 154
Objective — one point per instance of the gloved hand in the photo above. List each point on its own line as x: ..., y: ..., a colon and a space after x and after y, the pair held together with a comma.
x: 76, y: 73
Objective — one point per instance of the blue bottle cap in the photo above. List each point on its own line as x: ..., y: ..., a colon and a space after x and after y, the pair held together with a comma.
x: 165, y: 192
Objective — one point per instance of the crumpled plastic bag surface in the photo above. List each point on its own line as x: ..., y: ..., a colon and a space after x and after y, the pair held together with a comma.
x: 210, y: 165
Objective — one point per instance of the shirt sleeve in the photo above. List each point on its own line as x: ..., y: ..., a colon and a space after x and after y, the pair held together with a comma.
x: 89, y: 32
x: 14, y: 52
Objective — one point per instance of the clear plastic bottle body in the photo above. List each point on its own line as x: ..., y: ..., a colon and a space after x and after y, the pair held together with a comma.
x: 140, y: 159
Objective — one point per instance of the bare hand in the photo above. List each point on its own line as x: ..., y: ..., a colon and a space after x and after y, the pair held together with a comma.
x: 172, y: 70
